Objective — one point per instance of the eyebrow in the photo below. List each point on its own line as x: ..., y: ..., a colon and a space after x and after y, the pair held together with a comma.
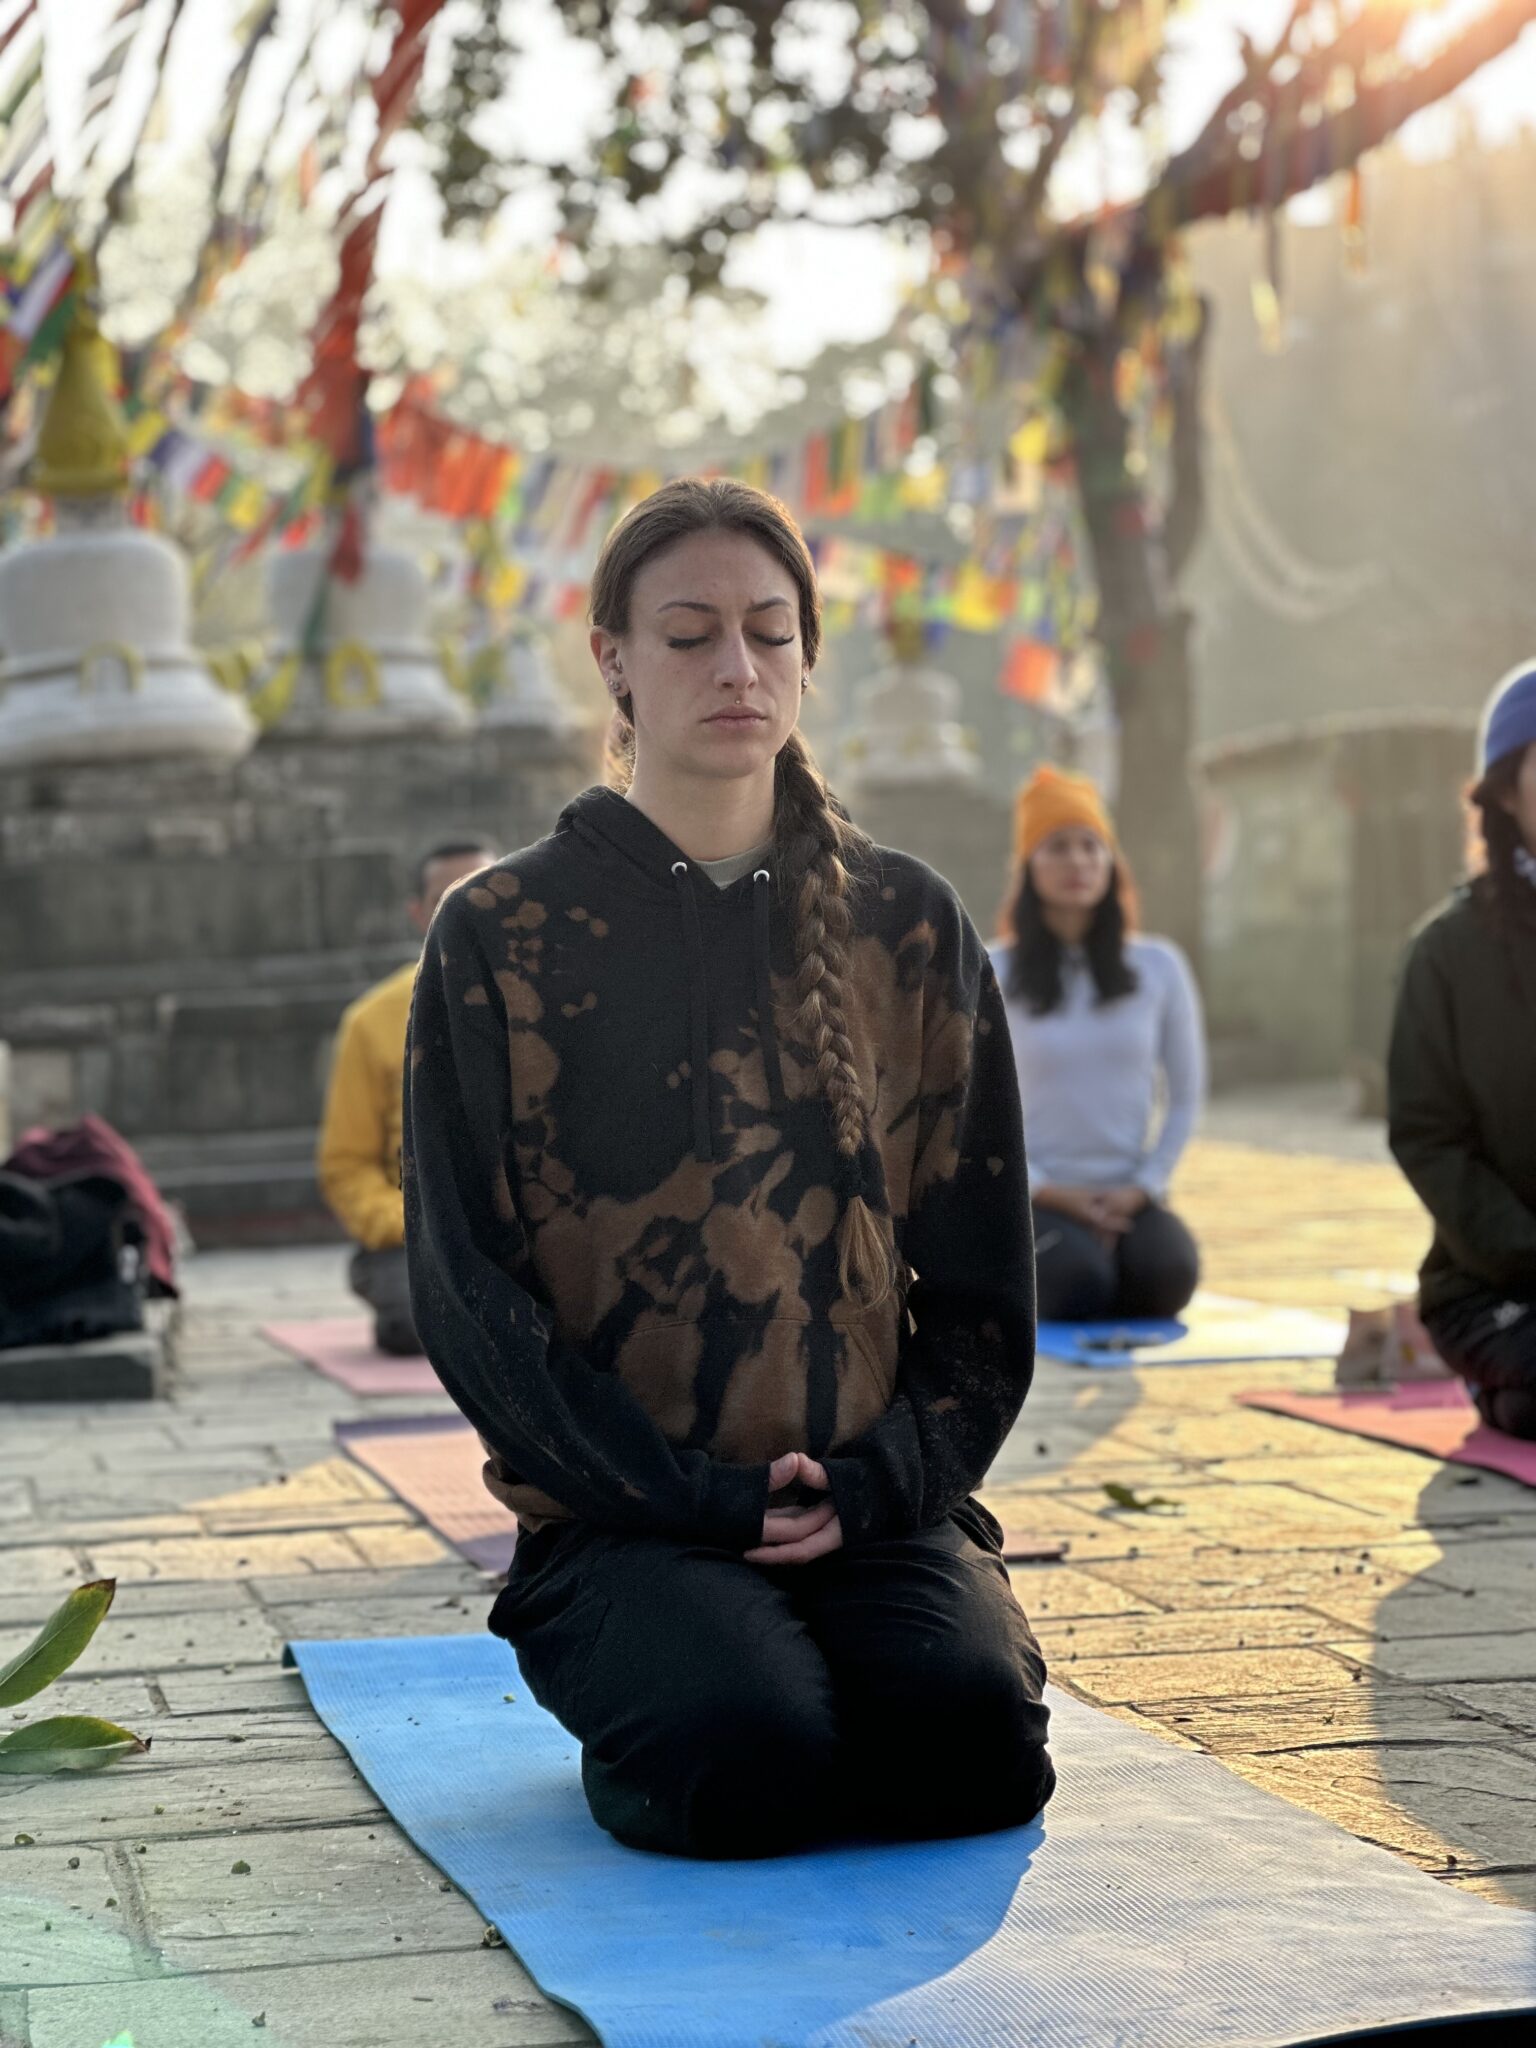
x: 693, y: 604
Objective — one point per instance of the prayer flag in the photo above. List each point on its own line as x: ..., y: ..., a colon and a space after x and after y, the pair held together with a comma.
x: 1029, y: 672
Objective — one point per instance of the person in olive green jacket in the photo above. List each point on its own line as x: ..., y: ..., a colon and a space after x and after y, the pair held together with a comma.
x: 358, y: 1162
x: 1461, y: 1085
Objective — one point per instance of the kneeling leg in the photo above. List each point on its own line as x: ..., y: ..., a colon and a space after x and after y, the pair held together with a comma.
x: 703, y: 1709
x: 939, y: 1680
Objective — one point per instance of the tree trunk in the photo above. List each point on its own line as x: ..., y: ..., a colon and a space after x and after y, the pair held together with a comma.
x: 1158, y: 810
x: 1145, y: 634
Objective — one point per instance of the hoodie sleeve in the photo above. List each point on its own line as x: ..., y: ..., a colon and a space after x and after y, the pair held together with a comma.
x: 1432, y: 1129
x: 968, y: 1354
x: 556, y: 1422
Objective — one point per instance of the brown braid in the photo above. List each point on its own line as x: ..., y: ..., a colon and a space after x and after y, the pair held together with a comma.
x: 817, y: 843
x: 818, y: 848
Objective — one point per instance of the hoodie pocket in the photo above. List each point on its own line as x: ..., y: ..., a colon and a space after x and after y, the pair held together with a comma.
x: 867, y: 1382
x: 747, y: 1390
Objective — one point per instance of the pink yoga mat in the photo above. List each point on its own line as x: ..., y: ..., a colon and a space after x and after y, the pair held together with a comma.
x: 1436, y: 1418
x: 342, y: 1347
x: 432, y: 1462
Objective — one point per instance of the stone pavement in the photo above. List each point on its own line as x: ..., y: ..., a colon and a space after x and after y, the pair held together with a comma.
x: 1349, y: 1625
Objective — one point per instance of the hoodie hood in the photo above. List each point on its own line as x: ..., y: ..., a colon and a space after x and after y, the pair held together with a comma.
x: 636, y: 854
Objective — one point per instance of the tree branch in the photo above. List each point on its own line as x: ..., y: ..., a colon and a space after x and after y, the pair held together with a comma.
x: 1308, y: 154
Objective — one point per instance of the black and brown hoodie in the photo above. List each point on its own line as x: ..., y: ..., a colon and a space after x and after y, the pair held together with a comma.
x: 622, y: 1194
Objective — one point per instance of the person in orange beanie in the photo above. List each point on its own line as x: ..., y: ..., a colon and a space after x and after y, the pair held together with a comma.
x: 1110, y: 1045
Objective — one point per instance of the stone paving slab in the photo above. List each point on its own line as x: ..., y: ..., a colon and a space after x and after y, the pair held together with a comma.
x: 13, y: 2019
x: 1143, y: 1681
x: 307, y: 1897
x: 381, y: 2002
x: 153, y: 1596
x: 65, y: 1916
x: 1514, y: 1702
x: 453, y: 1578
x: 1342, y: 1716
x: 40, y: 1576
x: 122, y: 1698
x: 1503, y: 1566
x: 436, y: 1616
x: 1407, y: 1798
x: 206, y: 1736
x: 1065, y: 1594
x: 162, y: 1641
x: 1438, y: 1660
x: 256, y: 1785
x: 237, y: 1690
x: 1419, y: 1612
x: 225, y: 1557
x: 1207, y: 1628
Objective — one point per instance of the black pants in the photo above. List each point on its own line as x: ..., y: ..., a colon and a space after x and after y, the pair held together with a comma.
x: 1491, y: 1343
x: 380, y: 1279
x: 1152, y: 1271
x: 723, y: 1710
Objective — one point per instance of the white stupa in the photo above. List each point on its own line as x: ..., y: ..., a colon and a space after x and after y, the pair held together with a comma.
x: 525, y: 695
x: 374, y: 672
x: 95, y: 620
x: 909, y: 732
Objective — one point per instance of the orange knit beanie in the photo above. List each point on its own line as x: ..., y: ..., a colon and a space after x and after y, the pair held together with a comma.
x: 1051, y: 799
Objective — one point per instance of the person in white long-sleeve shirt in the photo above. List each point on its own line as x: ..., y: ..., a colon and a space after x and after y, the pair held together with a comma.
x: 1110, y: 1045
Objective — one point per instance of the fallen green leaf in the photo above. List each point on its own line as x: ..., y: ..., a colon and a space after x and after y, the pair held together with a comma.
x: 57, y: 1643
x: 67, y: 1742
x: 1154, y: 1504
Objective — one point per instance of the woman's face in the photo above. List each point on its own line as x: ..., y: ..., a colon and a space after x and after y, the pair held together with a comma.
x: 1521, y: 800
x: 1072, y: 869
x: 713, y: 662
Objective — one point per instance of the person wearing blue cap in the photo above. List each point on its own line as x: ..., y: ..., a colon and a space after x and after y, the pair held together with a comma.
x: 1461, y: 1083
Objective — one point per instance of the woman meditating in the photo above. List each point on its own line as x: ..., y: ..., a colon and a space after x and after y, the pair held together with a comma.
x: 1110, y: 1046
x: 718, y: 1225
x: 1461, y: 1085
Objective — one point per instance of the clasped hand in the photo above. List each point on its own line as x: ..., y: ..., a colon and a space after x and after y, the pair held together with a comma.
x: 797, y: 1535
x: 1108, y: 1212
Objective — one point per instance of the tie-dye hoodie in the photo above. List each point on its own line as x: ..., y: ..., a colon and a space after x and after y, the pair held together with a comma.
x: 622, y: 1193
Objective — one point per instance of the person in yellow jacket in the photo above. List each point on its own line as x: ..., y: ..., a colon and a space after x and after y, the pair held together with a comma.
x: 358, y: 1162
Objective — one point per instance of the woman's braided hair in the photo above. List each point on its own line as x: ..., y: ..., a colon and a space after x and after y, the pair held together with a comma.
x: 821, y: 853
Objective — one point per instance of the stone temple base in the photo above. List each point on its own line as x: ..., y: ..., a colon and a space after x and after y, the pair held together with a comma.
x: 959, y: 828
x: 179, y: 942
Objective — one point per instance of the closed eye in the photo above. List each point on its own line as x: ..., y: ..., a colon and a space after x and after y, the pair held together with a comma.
x: 764, y: 639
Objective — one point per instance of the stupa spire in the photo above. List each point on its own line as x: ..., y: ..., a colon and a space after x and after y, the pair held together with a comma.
x: 82, y: 446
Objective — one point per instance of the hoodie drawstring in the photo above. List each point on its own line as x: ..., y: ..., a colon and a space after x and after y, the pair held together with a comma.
x: 762, y: 967
x: 698, y: 1013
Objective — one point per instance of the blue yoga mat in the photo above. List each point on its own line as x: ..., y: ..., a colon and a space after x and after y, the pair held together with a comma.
x: 1217, y: 1332
x: 1164, y: 1902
